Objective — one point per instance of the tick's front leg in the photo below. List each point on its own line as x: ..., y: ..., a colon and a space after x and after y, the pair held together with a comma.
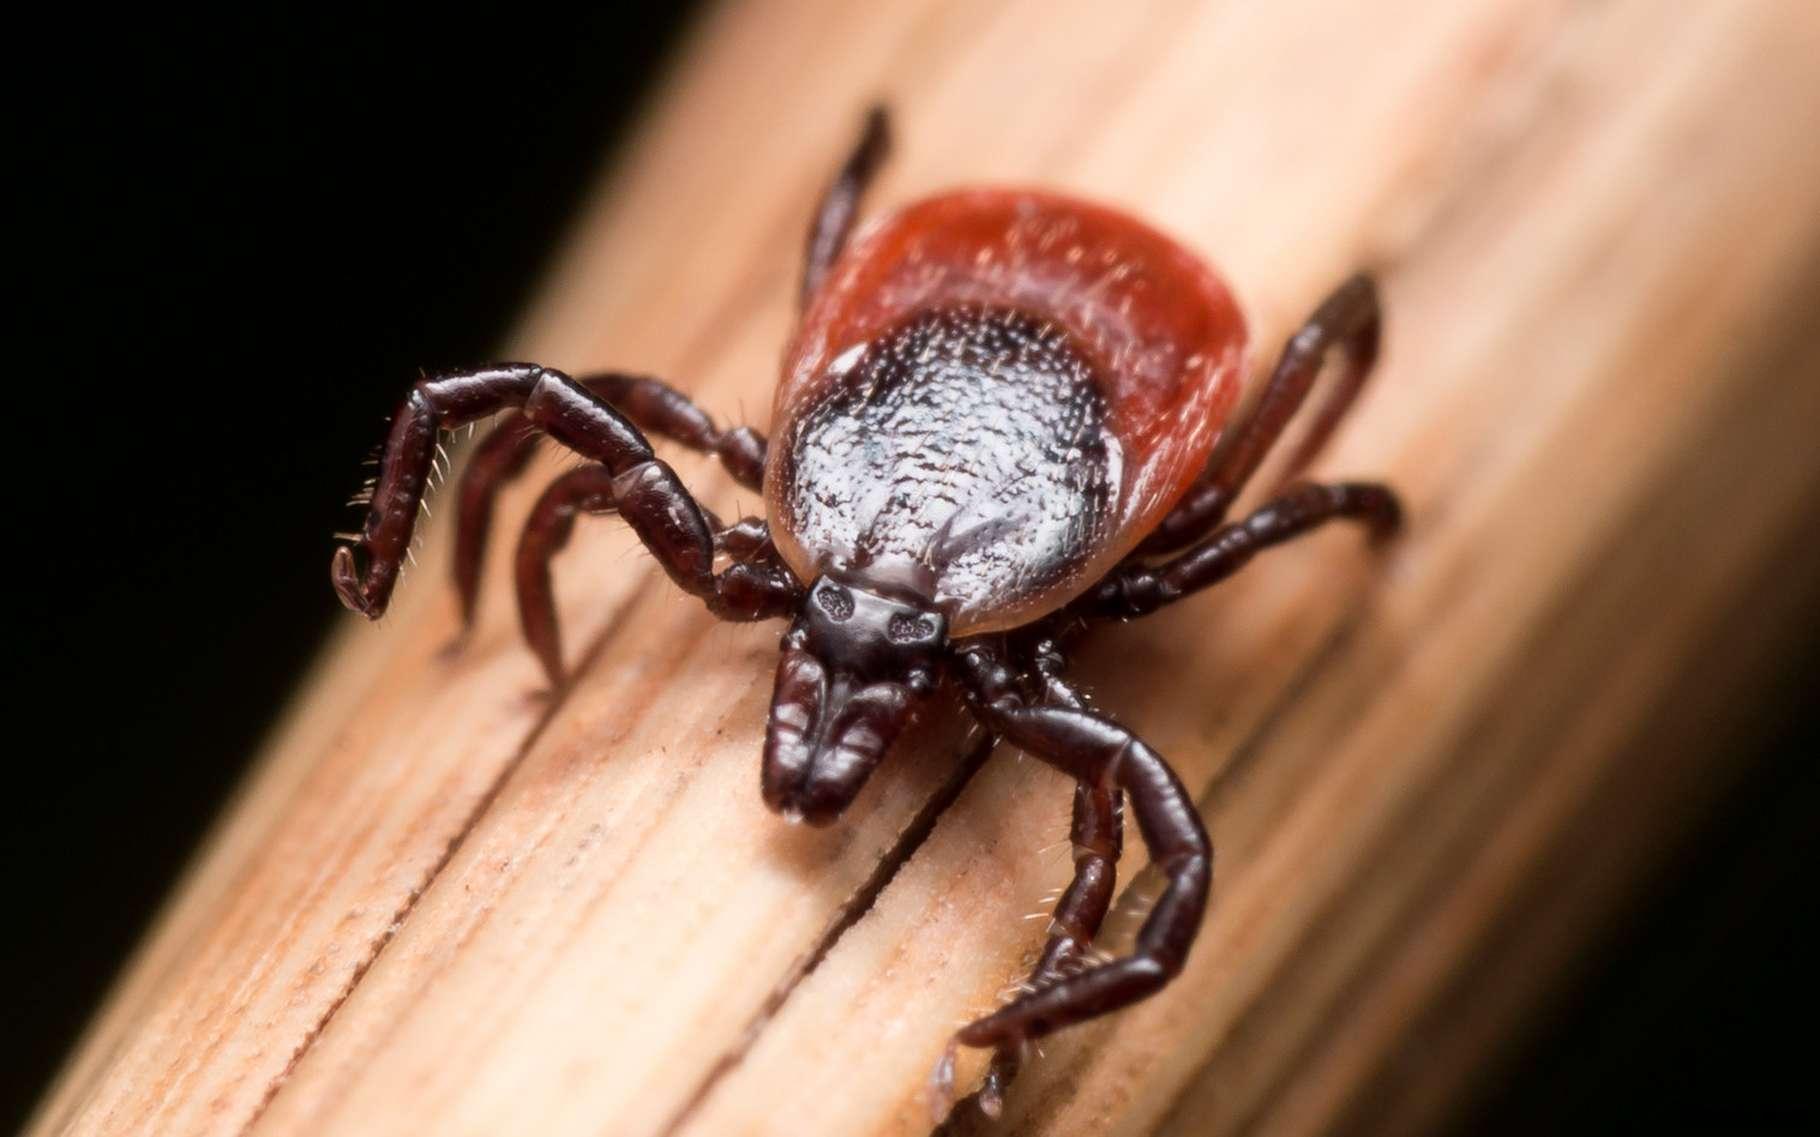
x: 1109, y: 759
x: 763, y: 584
x: 653, y: 405
x: 1102, y: 752
x: 645, y: 489
x: 439, y: 403
x: 546, y: 532
x: 1096, y: 834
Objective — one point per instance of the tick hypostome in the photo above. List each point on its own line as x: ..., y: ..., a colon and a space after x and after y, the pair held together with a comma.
x: 996, y: 425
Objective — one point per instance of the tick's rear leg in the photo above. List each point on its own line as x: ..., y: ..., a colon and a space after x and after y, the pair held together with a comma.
x: 1349, y: 320
x: 839, y: 206
x: 1105, y: 756
x: 1135, y: 589
x: 591, y: 490
x: 645, y: 489
x: 653, y: 405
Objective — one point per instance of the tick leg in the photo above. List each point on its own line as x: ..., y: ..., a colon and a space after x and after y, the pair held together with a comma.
x: 589, y: 489
x: 1105, y: 756
x: 1136, y: 590
x: 840, y: 202
x: 546, y: 532
x: 1349, y: 319
x: 745, y: 539
x: 1097, y: 835
x: 646, y: 490
x: 654, y: 406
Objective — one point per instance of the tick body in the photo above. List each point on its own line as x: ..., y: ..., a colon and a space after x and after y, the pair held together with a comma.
x: 1006, y: 415
x: 992, y: 398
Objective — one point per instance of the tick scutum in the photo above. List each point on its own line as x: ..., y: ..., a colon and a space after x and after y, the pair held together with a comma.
x: 962, y: 458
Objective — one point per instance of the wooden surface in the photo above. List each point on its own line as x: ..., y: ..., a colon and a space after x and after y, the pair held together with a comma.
x: 445, y: 904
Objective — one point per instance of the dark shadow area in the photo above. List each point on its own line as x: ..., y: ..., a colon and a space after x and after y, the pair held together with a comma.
x: 1700, y: 1010
x: 241, y: 242
x: 246, y: 237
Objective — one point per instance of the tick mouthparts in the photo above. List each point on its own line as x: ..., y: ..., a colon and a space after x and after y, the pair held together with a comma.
x: 827, y: 734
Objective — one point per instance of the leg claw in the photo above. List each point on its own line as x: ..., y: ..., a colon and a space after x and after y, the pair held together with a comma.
x: 941, y: 1084
x: 1007, y: 1059
x: 345, y: 575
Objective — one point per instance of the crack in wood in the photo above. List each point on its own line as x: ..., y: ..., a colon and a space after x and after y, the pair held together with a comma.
x: 908, y: 842
x: 556, y: 701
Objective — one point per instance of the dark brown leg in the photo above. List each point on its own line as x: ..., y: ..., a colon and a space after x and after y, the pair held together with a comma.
x: 653, y: 406
x: 1107, y: 757
x: 840, y: 202
x: 1096, y: 833
x: 646, y: 490
x: 547, y: 532
x: 1135, y: 590
x: 745, y: 539
x: 1349, y: 320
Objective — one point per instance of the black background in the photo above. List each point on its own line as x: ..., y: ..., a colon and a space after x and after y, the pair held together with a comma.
x: 239, y: 243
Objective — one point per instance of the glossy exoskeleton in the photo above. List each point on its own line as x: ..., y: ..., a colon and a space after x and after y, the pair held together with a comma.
x: 997, y: 424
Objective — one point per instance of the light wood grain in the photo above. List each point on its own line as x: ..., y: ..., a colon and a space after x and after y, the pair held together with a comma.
x: 444, y: 904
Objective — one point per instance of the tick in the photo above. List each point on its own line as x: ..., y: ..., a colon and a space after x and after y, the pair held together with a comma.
x: 996, y: 425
